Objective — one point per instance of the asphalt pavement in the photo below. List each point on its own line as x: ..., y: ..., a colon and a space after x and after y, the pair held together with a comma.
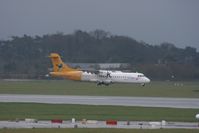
x: 103, y: 100
x: 101, y: 124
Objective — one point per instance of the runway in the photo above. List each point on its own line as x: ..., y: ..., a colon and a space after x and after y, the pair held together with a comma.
x: 101, y: 124
x: 103, y: 100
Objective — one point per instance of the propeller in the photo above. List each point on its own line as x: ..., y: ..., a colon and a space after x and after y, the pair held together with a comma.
x: 108, y: 74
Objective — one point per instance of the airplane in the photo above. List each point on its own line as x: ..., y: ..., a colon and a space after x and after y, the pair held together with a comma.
x: 101, y: 77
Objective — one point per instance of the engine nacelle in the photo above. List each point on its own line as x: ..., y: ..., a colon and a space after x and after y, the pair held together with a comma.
x: 104, y: 73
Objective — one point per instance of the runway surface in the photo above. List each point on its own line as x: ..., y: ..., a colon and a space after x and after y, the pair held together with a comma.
x: 100, y: 124
x: 103, y: 100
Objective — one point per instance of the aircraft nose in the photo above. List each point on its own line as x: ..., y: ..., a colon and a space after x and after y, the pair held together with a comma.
x: 147, y: 80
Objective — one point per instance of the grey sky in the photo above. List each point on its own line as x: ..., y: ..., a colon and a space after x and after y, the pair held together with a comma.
x: 153, y: 21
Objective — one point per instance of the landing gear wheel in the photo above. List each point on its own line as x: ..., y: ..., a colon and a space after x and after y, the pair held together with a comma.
x: 143, y: 84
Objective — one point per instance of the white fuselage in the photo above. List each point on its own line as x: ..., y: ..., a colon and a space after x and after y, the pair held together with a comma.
x: 114, y: 77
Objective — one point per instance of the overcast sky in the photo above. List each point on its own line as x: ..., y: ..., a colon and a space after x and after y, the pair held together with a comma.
x: 153, y: 21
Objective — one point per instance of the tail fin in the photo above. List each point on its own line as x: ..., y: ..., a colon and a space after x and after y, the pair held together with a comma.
x: 58, y: 64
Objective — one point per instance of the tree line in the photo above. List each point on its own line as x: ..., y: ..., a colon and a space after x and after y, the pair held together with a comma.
x: 26, y: 56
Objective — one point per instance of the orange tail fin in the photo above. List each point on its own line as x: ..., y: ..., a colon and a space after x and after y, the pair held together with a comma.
x: 58, y: 64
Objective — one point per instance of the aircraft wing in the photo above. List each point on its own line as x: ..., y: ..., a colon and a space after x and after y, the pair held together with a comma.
x: 91, y: 71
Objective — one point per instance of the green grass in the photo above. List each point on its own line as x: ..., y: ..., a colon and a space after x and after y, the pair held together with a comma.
x: 11, y: 111
x: 68, y: 130
x: 64, y: 87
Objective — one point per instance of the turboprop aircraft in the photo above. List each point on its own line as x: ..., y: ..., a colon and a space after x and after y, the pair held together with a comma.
x: 101, y: 77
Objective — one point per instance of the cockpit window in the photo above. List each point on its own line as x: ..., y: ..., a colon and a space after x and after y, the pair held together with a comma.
x: 140, y: 75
